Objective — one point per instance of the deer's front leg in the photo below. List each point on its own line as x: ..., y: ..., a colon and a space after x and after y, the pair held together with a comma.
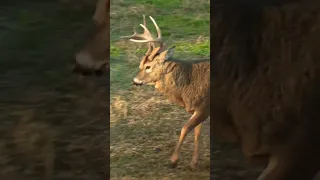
x: 197, y: 118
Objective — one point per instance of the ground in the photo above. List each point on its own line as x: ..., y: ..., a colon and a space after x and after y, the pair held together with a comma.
x: 144, y: 126
x: 48, y: 115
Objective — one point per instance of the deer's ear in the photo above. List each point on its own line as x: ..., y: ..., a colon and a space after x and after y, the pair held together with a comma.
x: 167, y: 54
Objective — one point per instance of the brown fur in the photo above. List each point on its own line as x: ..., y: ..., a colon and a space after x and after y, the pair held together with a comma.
x: 186, y: 84
x: 266, y: 79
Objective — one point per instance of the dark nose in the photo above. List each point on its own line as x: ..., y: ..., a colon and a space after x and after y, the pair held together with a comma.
x: 78, y: 69
x: 136, y: 84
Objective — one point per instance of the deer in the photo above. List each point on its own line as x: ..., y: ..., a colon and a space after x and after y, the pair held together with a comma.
x: 184, y: 83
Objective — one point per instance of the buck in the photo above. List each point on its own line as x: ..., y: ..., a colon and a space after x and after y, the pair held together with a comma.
x: 185, y: 83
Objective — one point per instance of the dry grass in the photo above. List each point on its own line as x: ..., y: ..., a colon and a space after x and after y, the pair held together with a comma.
x: 144, y: 129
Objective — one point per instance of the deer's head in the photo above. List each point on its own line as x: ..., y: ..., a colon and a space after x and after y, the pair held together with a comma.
x: 155, y: 62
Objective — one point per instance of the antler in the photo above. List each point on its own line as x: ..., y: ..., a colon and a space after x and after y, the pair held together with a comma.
x: 146, y: 36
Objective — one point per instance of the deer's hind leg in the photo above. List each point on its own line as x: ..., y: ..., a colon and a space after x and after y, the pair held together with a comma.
x: 196, y: 119
x: 294, y: 163
x: 279, y: 169
x: 195, y: 156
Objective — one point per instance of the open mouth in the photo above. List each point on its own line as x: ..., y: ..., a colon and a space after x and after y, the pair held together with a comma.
x: 142, y: 83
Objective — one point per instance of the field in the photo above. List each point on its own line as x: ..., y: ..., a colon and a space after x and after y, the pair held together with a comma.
x: 144, y: 126
x: 49, y: 117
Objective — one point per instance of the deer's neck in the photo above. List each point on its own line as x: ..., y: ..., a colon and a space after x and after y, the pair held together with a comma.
x: 183, y: 81
x: 180, y: 75
x: 178, y: 78
x: 172, y: 83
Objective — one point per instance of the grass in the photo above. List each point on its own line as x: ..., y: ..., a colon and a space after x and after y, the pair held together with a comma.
x: 144, y: 125
x: 46, y: 112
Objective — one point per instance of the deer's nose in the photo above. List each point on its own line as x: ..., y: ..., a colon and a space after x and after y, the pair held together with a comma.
x: 136, y: 81
x: 78, y: 69
x: 75, y: 66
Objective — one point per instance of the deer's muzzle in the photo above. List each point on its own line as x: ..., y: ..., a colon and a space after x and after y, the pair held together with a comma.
x: 85, y: 65
x: 136, y: 81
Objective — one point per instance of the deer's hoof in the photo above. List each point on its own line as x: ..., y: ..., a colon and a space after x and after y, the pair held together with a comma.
x: 173, y: 165
x: 193, y: 166
x: 174, y: 162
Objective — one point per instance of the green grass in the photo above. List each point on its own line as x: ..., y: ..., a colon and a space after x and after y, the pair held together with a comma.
x: 144, y: 125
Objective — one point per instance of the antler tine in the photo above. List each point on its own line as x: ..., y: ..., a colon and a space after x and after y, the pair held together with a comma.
x: 157, y: 28
x: 144, y: 37
x: 158, y: 39
x: 144, y: 21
